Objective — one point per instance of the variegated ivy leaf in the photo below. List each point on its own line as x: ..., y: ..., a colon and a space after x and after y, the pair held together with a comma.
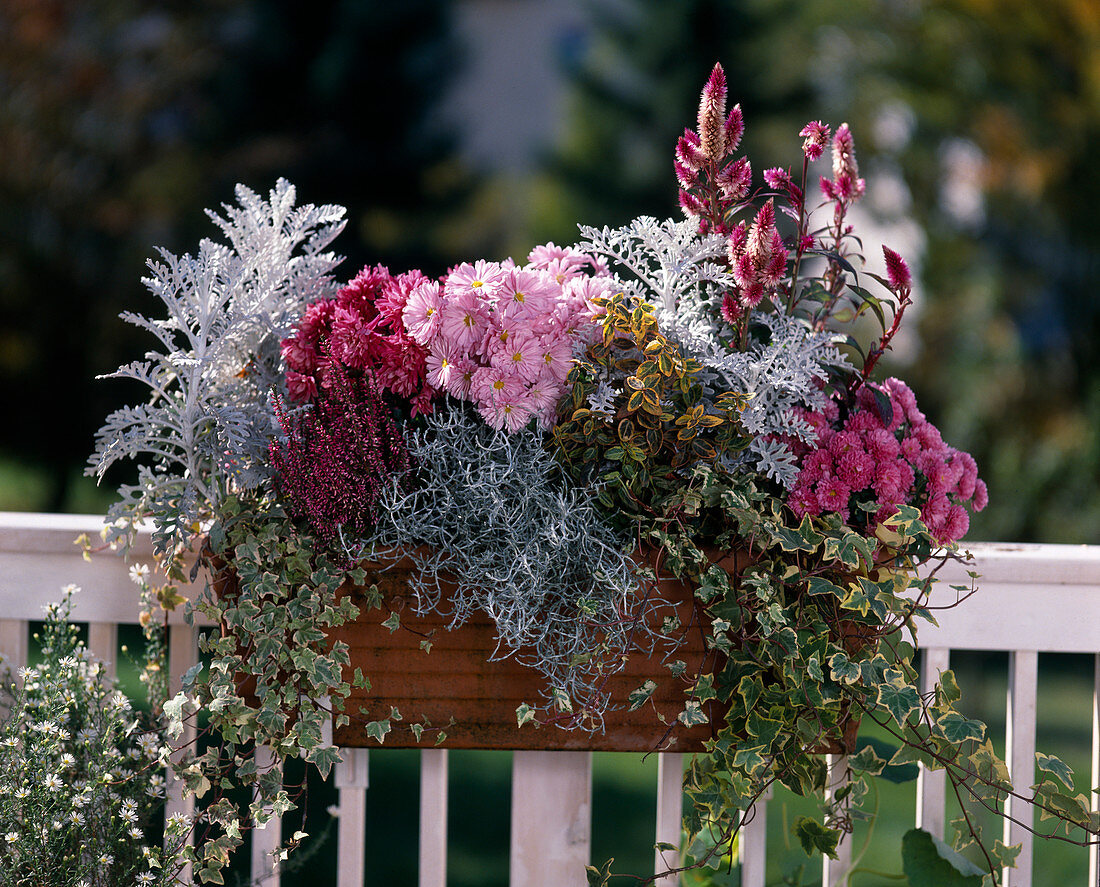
x: 640, y: 697
x: 957, y: 728
x: 1056, y: 767
x: 900, y: 701
x: 692, y: 714
x: 378, y: 730
x: 524, y: 714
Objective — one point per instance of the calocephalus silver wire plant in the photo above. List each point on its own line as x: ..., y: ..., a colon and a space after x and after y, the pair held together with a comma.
x: 522, y: 432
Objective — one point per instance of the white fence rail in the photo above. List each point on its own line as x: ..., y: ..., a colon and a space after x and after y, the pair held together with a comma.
x: 1033, y: 599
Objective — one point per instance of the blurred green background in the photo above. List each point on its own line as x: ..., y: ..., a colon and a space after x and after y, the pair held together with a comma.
x: 455, y: 130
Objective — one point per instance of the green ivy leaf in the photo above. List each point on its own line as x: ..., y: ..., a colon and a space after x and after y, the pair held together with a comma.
x: 843, y: 670
x: 867, y: 761
x: 957, y: 728
x: 929, y: 862
x: 815, y: 837
x: 393, y: 622
x: 692, y: 714
x: 378, y: 730
x: 1056, y: 767
x: 901, y: 701
x: 524, y: 714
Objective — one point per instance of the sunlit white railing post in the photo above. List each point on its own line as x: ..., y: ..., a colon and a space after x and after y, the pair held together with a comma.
x: 433, y: 817
x: 833, y: 871
x: 551, y: 818
x: 670, y: 802
x: 1020, y: 757
x: 352, y: 781
x: 932, y: 784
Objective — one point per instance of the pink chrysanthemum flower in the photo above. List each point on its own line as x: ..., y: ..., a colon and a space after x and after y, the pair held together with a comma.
x: 460, y: 378
x: 423, y: 313
x: 465, y: 320
x: 527, y: 294
x: 489, y: 383
x: 481, y: 278
x: 522, y: 357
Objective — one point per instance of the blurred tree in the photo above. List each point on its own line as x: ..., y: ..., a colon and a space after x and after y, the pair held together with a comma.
x: 982, y: 117
x: 122, y: 119
x: 1000, y: 106
x: 637, y: 87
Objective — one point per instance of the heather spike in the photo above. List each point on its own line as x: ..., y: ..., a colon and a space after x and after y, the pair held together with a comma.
x: 712, y: 116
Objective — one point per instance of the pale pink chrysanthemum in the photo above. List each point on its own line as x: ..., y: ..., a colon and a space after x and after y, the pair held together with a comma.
x: 815, y: 135
x: 481, y: 278
x: 422, y: 315
x: 491, y: 382
x: 527, y: 294
x: 543, y: 396
x: 460, y: 379
x: 556, y: 356
x: 521, y: 357
x: 465, y: 320
x: 441, y: 367
x: 509, y: 411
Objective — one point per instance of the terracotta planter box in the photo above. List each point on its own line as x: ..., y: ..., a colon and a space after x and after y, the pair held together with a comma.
x: 454, y: 680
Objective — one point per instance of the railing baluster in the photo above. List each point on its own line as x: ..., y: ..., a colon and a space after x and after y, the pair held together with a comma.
x: 266, y: 840
x: 1020, y: 757
x: 834, y: 870
x: 670, y: 804
x: 551, y: 818
x: 352, y: 780
x: 754, y: 844
x: 1094, y: 850
x: 103, y: 645
x: 183, y: 652
x: 932, y: 784
x: 14, y: 643
x: 433, y: 817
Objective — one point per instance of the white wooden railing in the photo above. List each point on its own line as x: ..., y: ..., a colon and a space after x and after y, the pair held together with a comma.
x: 1033, y: 599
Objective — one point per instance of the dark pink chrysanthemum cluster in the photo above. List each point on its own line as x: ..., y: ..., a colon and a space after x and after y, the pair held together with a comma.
x: 362, y: 329
x: 339, y: 454
x: 501, y: 335
x: 887, y: 460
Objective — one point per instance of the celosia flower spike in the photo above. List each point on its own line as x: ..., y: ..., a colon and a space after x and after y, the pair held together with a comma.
x: 687, y: 151
x: 897, y: 271
x: 712, y: 116
x: 846, y: 181
x: 735, y: 128
x: 815, y: 135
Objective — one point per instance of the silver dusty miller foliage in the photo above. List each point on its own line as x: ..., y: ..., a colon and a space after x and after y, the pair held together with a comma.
x: 491, y: 514
x: 205, y: 427
x: 669, y: 265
